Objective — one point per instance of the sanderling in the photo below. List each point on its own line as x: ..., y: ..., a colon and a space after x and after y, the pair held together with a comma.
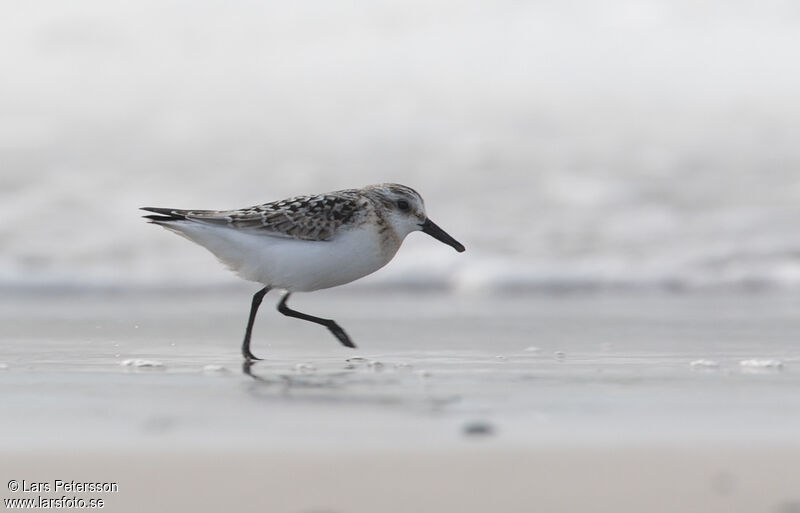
x: 307, y: 243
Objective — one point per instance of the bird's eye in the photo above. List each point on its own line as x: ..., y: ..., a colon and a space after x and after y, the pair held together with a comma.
x: 403, y: 204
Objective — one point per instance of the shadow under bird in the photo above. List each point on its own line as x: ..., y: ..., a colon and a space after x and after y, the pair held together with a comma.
x: 307, y: 243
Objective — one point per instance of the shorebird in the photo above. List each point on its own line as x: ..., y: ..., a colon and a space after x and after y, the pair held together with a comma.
x: 307, y: 243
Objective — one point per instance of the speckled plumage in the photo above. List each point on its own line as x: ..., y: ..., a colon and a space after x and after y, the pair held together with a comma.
x: 302, y: 217
x: 312, y: 217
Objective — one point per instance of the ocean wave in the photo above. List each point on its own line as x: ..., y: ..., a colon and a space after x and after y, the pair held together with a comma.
x: 471, y: 274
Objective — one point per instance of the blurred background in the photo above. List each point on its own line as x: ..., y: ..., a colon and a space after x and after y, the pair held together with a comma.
x: 647, y: 144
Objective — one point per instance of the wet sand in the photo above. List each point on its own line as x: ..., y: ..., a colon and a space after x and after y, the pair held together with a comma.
x: 476, y: 479
x: 577, y: 402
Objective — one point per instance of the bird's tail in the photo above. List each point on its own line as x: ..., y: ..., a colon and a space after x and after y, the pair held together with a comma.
x: 163, y: 215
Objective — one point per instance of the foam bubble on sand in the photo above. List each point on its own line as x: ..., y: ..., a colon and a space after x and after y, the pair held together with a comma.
x: 304, y: 368
x: 354, y: 362
x: 375, y: 366
x: 532, y: 349
x: 704, y: 364
x: 213, y: 368
x: 756, y: 364
x: 140, y: 363
x: 560, y: 355
x: 500, y: 357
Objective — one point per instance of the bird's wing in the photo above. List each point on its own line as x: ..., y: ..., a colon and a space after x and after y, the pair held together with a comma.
x: 302, y: 217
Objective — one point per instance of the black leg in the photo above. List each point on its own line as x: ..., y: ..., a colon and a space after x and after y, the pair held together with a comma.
x: 337, y: 331
x: 257, y: 297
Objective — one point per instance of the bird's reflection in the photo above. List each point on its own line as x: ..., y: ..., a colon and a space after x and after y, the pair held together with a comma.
x: 351, y: 386
x: 247, y: 370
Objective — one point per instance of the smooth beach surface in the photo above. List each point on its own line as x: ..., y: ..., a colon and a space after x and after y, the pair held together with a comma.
x: 452, y: 402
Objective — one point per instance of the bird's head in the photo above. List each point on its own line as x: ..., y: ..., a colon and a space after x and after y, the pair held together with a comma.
x: 404, y: 209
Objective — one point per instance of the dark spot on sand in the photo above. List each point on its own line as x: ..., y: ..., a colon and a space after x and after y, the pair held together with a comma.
x: 478, y: 428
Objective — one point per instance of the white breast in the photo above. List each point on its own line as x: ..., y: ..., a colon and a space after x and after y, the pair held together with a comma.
x: 291, y: 264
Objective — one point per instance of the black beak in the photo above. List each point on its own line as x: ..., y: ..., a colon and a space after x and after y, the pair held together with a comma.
x: 437, y: 233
